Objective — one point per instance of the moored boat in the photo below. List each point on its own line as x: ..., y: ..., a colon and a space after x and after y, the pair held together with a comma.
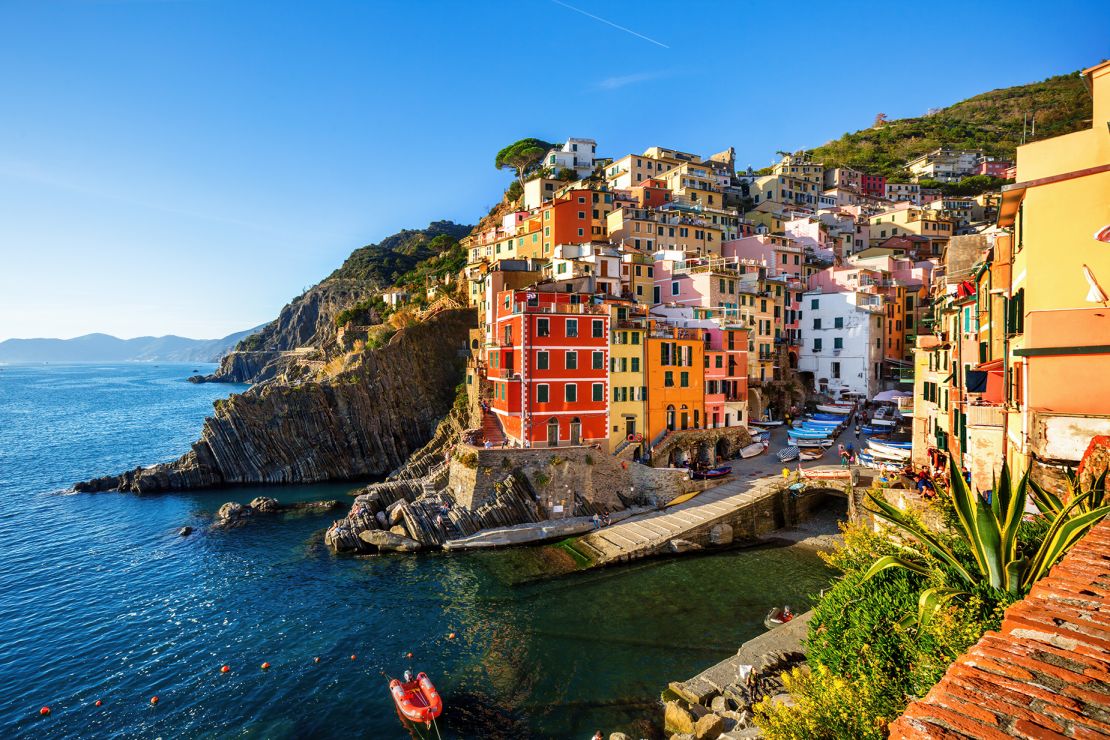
x: 807, y: 434
x: 878, y: 449
x: 826, y: 443
x: 811, y: 453
x: 777, y: 616
x: 757, y: 448
x: 718, y: 472
x: 786, y: 454
x: 417, y: 700
x: 835, y: 408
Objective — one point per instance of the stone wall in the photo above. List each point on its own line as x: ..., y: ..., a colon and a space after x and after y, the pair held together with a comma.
x: 557, y: 474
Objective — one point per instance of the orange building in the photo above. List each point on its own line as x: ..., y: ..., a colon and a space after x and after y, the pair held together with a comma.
x: 567, y: 220
x: 675, y: 379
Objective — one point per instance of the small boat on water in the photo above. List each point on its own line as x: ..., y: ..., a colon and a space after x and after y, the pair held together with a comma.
x: 756, y: 448
x: 681, y: 499
x: 417, y: 700
x: 786, y: 454
x: 836, y: 408
x: 778, y: 615
x: 718, y: 472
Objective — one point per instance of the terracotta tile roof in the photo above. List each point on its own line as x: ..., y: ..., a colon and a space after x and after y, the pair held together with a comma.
x: 1045, y: 675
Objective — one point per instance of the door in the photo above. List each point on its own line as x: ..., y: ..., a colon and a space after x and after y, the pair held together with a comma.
x: 575, y: 431
x: 629, y: 428
x: 553, y: 433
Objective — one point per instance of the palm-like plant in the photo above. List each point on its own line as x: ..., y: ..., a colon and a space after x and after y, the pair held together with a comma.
x: 990, y: 531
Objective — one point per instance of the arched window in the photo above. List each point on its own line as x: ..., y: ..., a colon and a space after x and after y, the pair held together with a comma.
x: 670, y: 417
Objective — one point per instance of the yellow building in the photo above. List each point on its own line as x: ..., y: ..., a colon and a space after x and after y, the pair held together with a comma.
x: 902, y: 221
x: 627, y: 368
x: 1057, y: 375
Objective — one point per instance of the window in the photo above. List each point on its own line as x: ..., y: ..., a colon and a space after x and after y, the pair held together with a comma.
x: 817, y: 323
x: 684, y: 379
x: 838, y: 322
x: 836, y: 370
x: 814, y: 303
x: 599, y: 392
x: 572, y: 327
x: 719, y: 362
x: 542, y: 393
x: 599, y: 328
x: 635, y: 363
x: 599, y: 361
x: 572, y: 360
x: 817, y: 345
x: 668, y: 379
x: 571, y: 391
x: 543, y: 327
x: 541, y: 361
x: 838, y: 343
x: 674, y: 287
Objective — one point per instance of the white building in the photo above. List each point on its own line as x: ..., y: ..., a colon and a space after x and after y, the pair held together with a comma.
x: 944, y: 165
x: 904, y: 191
x: 575, y: 154
x: 842, y: 341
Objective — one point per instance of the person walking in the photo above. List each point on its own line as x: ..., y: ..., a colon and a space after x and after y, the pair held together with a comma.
x: 857, y: 431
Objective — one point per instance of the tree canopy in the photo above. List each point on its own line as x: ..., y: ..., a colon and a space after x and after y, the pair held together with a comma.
x: 522, y: 156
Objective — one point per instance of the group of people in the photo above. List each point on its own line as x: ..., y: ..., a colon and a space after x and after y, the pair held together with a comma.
x: 602, y: 520
x: 847, y: 454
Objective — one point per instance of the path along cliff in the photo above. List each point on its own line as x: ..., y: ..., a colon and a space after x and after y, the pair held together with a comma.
x: 358, y: 420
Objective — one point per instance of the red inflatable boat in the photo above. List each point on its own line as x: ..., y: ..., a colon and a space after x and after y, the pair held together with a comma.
x: 417, y: 701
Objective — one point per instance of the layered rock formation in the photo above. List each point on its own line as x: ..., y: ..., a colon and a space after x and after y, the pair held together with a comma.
x: 305, y: 323
x: 363, y: 421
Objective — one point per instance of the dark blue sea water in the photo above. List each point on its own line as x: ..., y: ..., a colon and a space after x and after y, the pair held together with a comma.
x: 100, y: 599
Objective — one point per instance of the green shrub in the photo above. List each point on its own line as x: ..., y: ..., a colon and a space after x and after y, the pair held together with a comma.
x: 541, y: 479
x: 469, y: 459
x: 827, y: 707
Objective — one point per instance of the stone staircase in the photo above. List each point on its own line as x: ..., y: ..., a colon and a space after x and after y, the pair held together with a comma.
x: 491, y: 429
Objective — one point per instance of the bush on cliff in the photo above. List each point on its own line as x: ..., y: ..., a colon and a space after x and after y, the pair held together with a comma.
x: 866, y: 665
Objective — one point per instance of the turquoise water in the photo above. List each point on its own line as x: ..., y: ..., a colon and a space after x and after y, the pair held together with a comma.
x: 100, y: 599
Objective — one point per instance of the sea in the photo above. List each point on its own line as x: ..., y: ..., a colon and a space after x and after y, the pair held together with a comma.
x: 102, y: 600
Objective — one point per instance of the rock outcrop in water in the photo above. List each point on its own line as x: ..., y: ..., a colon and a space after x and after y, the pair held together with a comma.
x: 362, y: 421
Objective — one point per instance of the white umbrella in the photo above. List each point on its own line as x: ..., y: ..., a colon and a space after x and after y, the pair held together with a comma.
x: 891, y: 395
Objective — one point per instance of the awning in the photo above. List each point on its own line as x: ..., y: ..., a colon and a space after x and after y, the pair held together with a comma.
x: 986, y: 378
x: 976, y: 381
x: 1008, y: 208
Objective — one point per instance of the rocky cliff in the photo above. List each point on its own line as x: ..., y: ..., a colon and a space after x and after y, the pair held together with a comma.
x: 306, y: 327
x: 305, y: 323
x: 362, y: 421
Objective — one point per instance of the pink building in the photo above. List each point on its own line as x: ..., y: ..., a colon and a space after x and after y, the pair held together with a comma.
x: 873, y: 185
x: 993, y: 167
x: 780, y: 254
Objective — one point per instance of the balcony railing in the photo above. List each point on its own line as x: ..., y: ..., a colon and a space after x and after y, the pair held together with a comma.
x: 561, y: 308
x: 985, y: 416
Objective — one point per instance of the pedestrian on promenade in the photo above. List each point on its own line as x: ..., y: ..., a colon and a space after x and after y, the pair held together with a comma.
x: 857, y: 431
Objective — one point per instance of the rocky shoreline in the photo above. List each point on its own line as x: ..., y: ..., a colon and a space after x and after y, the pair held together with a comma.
x: 361, y: 421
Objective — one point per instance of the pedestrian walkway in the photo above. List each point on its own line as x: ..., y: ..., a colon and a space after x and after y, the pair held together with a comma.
x: 655, y: 532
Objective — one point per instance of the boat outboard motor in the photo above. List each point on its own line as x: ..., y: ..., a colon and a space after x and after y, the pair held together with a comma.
x: 408, y: 676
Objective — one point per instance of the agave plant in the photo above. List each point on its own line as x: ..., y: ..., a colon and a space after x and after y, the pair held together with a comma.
x: 1050, y: 504
x: 990, y: 531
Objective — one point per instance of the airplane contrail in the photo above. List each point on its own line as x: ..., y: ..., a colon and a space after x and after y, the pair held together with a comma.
x: 610, y: 23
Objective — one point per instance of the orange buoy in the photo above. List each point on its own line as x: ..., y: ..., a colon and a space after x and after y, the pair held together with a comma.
x: 451, y: 636
x: 408, y: 655
x: 99, y: 703
x: 225, y: 669
x: 154, y: 700
x: 265, y: 666
x: 354, y: 657
x: 315, y: 660
x: 45, y: 711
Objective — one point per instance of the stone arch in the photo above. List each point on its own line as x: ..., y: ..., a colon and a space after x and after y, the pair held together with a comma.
x: 722, y: 449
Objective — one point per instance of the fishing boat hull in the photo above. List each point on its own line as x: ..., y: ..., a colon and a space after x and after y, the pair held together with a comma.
x: 786, y: 454
x: 807, y: 434
x: 811, y: 453
x: 839, y: 410
x: 417, y: 700
x: 712, y: 473
x: 754, y: 449
x: 823, y: 443
x: 878, y: 449
x: 775, y: 617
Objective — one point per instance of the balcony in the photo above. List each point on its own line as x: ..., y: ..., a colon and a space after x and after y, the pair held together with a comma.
x: 507, y: 373
x: 562, y: 308
x: 985, y: 416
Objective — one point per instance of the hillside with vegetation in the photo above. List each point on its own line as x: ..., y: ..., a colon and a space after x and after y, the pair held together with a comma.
x: 992, y: 121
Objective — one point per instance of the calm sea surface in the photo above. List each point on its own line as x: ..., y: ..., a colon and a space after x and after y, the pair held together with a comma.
x: 100, y: 599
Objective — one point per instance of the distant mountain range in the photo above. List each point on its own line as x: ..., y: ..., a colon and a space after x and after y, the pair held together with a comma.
x: 106, y: 348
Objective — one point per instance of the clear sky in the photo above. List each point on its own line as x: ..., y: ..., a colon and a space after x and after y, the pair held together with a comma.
x: 189, y: 166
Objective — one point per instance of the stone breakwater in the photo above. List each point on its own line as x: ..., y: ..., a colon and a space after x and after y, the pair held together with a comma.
x: 363, y: 421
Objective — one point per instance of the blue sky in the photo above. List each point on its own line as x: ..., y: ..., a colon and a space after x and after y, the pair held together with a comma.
x: 188, y: 166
